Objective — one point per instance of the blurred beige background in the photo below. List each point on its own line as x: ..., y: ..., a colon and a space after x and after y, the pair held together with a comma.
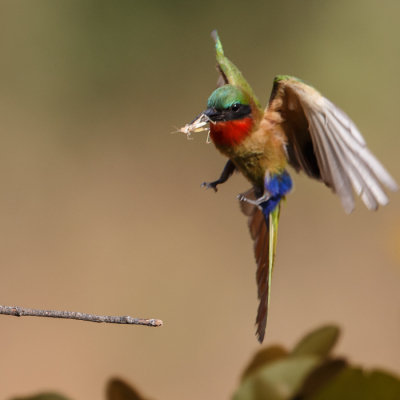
x: 101, y: 209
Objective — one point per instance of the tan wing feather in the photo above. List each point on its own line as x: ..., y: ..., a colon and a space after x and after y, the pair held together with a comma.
x: 324, y: 142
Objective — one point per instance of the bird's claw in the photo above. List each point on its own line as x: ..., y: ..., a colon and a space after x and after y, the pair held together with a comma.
x: 240, y: 197
x: 210, y: 185
x: 256, y: 202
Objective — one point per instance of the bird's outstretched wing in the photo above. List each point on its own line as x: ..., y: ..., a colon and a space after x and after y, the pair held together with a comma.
x: 222, y: 79
x: 264, y: 236
x: 324, y: 142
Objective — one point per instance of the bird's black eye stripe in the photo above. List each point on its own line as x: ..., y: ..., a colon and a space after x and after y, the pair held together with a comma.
x: 235, y: 107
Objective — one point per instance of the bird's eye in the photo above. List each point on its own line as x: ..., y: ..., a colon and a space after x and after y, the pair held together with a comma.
x: 235, y: 107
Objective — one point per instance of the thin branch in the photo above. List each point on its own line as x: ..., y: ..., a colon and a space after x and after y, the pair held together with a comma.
x: 29, y: 312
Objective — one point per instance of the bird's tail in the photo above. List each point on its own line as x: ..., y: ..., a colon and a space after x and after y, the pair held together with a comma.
x: 263, y: 226
x: 271, y: 214
x: 273, y: 235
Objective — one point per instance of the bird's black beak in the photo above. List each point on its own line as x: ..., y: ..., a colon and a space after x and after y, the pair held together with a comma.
x: 211, y: 113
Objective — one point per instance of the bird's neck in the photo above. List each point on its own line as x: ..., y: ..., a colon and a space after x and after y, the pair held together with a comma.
x: 231, y: 133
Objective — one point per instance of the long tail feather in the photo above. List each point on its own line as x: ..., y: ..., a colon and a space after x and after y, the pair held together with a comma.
x: 273, y: 235
x: 265, y: 278
x: 263, y: 228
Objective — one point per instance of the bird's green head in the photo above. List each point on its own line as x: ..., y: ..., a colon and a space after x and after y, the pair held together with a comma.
x: 228, y: 103
x: 226, y: 96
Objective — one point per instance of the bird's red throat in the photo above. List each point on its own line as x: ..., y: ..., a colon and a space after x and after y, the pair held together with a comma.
x: 231, y: 133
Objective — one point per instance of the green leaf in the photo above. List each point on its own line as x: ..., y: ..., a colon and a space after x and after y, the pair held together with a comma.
x: 253, y: 389
x: 43, y: 396
x: 117, y: 389
x: 264, y: 357
x: 319, y: 342
x: 355, y: 384
x: 279, y: 380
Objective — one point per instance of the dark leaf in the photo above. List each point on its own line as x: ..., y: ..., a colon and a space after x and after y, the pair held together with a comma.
x: 43, y: 396
x: 320, y: 377
x: 383, y: 386
x: 347, y: 386
x: 355, y: 384
x: 117, y: 389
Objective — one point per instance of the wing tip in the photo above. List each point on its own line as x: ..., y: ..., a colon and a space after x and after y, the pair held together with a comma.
x: 214, y: 35
x: 392, y: 185
x: 218, y: 44
x: 279, y: 78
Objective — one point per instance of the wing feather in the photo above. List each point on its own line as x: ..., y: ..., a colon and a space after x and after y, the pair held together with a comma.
x: 363, y: 176
x: 340, y: 180
x: 339, y: 156
x: 360, y: 187
x: 222, y: 79
x: 358, y: 145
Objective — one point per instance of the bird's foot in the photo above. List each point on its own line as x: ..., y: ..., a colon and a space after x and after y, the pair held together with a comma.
x: 256, y: 202
x: 210, y: 185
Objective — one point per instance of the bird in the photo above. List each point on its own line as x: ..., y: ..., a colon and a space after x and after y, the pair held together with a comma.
x: 299, y: 128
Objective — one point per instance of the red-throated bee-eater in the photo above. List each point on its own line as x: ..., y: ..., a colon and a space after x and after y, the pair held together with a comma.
x: 299, y: 127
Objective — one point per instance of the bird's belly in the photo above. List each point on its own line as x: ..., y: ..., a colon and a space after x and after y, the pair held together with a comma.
x: 257, y: 155
x: 253, y: 166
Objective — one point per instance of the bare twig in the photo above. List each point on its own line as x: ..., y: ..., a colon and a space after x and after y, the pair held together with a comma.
x: 126, y: 319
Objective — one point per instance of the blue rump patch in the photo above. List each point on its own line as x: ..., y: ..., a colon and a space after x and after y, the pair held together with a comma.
x: 278, y: 186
